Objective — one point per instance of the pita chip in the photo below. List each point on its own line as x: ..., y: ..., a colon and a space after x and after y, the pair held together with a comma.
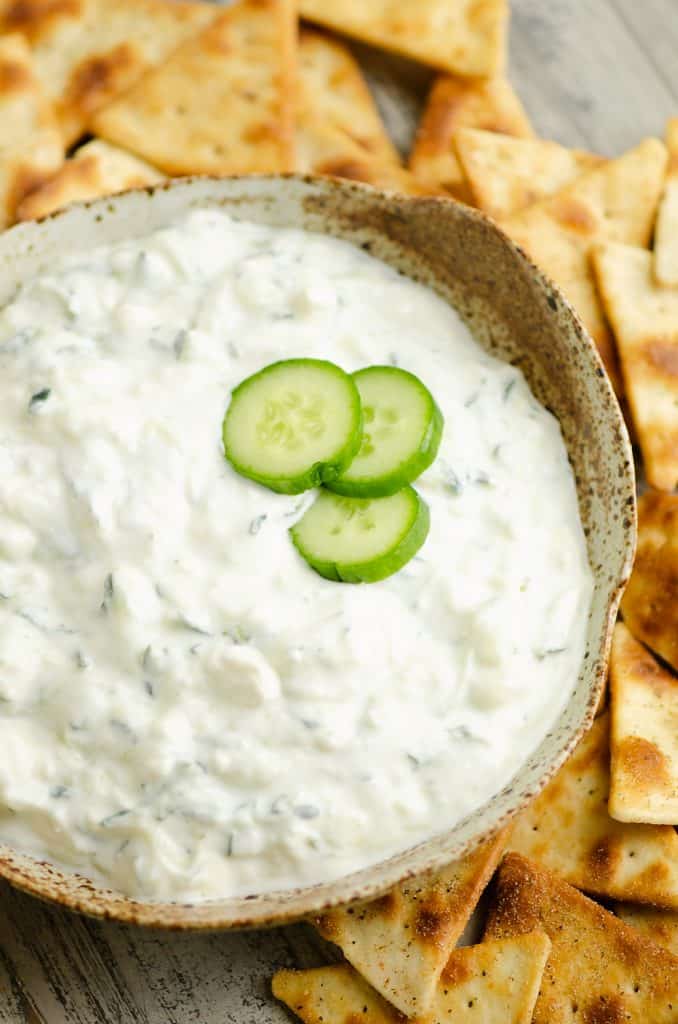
x: 30, y: 144
x: 506, y: 174
x: 643, y: 734
x: 96, y: 169
x: 401, y: 942
x: 327, y: 150
x: 666, y: 231
x: 223, y: 103
x: 462, y: 36
x: 493, y: 982
x: 650, y: 602
x: 88, y: 51
x: 644, y: 317
x: 568, y: 829
x: 599, y: 971
x: 613, y: 203
x: 660, y: 926
x: 333, y: 83
x: 490, y: 105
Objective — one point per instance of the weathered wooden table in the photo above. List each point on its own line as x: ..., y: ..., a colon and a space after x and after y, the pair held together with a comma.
x: 599, y: 74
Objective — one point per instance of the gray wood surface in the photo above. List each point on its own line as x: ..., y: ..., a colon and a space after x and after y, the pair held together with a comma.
x: 599, y: 74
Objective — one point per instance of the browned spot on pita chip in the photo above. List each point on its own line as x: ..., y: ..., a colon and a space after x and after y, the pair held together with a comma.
x: 660, y: 926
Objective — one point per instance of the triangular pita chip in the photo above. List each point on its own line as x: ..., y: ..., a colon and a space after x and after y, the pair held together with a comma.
x: 30, y: 144
x: 453, y: 103
x: 644, y: 317
x: 96, y: 169
x: 333, y: 83
x: 614, y: 203
x: 493, y: 982
x: 660, y: 926
x: 666, y: 232
x: 88, y: 51
x: 643, y: 734
x: 401, y: 942
x: 650, y: 602
x: 568, y: 830
x: 506, y: 174
x: 325, y: 149
x: 600, y: 971
x: 223, y: 103
x: 461, y: 36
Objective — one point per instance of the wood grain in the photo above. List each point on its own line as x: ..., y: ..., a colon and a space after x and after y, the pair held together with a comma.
x: 598, y: 74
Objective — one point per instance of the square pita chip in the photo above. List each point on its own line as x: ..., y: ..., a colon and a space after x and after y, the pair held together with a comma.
x: 644, y: 734
x: 466, y: 37
x: 489, y: 104
x: 600, y: 970
x: 660, y: 926
x: 30, y: 144
x: 650, y: 602
x: 493, y: 982
x: 644, y: 317
x: 506, y: 174
x: 331, y: 79
x: 96, y: 169
x: 613, y: 203
x: 666, y: 231
x: 223, y: 103
x: 401, y: 942
x: 568, y: 829
x: 88, y: 51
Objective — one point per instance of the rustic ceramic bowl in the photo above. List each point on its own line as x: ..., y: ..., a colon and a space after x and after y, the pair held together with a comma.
x: 515, y: 313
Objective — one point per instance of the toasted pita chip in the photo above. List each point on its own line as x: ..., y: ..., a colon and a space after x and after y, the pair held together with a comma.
x: 465, y: 37
x: 333, y: 82
x: 660, y: 926
x: 223, y: 103
x: 568, y: 830
x: 494, y: 982
x: 324, y: 149
x: 614, y: 203
x: 401, y: 942
x: 88, y: 51
x: 452, y: 104
x: 650, y: 603
x: 507, y: 174
x: 643, y: 734
x: 96, y: 169
x: 600, y: 971
x: 30, y: 144
x: 666, y: 232
x: 644, y: 317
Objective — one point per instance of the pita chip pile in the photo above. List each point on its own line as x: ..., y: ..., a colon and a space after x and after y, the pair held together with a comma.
x: 98, y: 96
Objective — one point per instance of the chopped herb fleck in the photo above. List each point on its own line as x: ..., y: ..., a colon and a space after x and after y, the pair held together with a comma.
x: 548, y: 652
x: 471, y: 400
x: 56, y: 792
x: 451, y: 481
x: 180, y: 343
x: 256, y: 524
x: 483, y: 480
x: 393, y: 359
x: 81, y: 660
x: 109, y: 591
x: 280, y: 804
x: 105, y: 822
x: 232, y: 350
x: 238, y: 634
x: 38, y: 398
x: 307, y: 811
x: 508, y: 388
x: 149, y: 688
x: 229, y: 844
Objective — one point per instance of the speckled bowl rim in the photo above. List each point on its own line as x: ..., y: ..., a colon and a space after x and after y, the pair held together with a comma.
x: 42, y: 879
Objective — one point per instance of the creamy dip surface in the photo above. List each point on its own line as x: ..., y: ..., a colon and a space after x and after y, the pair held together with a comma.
x: 187, y: 710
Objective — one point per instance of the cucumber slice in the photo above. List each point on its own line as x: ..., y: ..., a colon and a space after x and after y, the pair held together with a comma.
x: 294, y: 425
x: 361, y: 540
x: 402, y: 428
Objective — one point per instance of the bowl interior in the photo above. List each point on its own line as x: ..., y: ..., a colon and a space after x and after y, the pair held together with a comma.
x: 516, y: 314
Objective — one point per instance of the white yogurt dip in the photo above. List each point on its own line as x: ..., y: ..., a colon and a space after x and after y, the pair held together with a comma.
x: 187, y: 710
